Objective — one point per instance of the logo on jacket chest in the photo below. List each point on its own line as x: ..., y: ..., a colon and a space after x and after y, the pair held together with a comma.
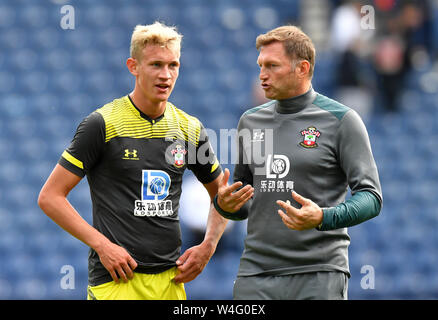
x: 277, y: 168
x: 310, y: 135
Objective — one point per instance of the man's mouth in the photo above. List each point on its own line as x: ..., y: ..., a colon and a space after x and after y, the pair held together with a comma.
x: 162, y: 87
x: 265, y: 86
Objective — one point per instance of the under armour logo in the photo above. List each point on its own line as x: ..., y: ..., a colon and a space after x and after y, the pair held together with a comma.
x: 130, y: 155
x: 258, y: 136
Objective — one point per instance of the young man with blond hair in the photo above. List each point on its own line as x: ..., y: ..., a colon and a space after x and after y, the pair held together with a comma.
x: 297, y: 242
x: 134, y: 151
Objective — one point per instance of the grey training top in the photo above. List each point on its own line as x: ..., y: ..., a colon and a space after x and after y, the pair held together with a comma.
x: 317, y: 147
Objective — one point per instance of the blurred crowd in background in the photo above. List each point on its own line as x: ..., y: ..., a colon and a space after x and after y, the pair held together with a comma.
x: 376, y: 56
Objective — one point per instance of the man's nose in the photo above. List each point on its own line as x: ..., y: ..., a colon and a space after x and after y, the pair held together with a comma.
x: 165, y: 73
x: 263, y: 75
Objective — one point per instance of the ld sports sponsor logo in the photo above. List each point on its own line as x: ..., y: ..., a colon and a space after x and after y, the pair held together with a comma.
x: 154, y: 190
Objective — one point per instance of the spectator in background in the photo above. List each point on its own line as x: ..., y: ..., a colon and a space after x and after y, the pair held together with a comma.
x: 352, y: 45
x: 389, y: 65
x: 403, y: 33
x: 401, y: 40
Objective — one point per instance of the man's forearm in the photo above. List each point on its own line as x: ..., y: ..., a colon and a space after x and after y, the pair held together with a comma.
x: 362, y: 206
x: 59, y: 209
x: 216, y: 225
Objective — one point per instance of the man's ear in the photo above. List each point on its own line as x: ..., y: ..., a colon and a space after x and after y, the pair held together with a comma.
x: 132, y: 65
x: 303, y: 68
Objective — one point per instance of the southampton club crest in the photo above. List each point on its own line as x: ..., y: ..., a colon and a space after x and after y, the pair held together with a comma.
x: 309, y: 137
x: 179, y: 154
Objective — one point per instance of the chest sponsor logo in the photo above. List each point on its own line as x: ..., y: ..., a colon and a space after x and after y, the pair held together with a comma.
x: 277, y: 168
x: 154, y: 191
x: 310, y: 135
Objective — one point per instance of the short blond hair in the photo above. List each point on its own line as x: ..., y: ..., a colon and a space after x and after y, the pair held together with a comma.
x: 297, y: 44
x: 157, y: 34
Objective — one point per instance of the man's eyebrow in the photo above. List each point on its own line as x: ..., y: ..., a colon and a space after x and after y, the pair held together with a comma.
x: 267, y: 60
x: 164, y: 61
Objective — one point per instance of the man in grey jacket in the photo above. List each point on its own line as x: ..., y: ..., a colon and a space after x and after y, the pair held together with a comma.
x: 316, y: 148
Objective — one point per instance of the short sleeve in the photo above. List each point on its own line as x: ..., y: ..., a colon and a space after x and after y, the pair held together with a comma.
x: 204, y: 163
x: 86, y: 147
x: 242, y: 171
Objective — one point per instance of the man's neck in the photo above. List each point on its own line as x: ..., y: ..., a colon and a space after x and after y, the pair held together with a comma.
x: 151, y: 109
